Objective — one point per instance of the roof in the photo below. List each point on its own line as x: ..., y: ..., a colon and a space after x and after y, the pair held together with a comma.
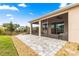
x: 56, y: 11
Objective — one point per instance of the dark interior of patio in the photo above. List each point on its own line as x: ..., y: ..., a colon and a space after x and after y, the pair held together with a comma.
x: 54, y: 27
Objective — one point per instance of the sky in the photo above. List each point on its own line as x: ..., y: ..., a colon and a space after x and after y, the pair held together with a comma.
x: 22, y: 13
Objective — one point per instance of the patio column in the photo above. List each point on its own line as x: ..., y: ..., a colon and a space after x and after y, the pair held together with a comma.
x: 39, y: 28
x: 47, y: 27
x: 30, y: 28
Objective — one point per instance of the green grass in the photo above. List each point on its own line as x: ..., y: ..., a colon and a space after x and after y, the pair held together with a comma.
x: 7, y: 47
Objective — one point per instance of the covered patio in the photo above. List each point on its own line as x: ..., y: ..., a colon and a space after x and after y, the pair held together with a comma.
x: 44, y: 46
x: 59, y: 24
x: 52, y: 26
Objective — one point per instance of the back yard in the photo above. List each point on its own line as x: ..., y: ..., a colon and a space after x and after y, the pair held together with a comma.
x: 12, y: 46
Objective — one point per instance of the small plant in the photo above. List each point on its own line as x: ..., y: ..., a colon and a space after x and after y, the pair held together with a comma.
x: 78, y: 47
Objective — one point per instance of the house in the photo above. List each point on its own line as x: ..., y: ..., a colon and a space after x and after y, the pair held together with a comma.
x: 60, y: 24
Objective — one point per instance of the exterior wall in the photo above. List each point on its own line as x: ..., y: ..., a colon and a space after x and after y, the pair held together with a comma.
x: 73, y: 20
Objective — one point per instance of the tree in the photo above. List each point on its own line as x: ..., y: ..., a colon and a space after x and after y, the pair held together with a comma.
x: 8, y: 24
x: 16, y: 26
x: 5, y: 25
x: 11, y: 27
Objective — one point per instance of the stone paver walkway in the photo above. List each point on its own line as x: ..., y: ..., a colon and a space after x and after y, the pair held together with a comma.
x: 43, y: 45
x: 22, y: 49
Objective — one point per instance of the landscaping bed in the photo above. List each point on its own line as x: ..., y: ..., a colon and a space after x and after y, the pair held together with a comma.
x: 70, y: 49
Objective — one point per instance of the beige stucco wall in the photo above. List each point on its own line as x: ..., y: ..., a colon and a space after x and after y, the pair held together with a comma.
x: 73, y: 21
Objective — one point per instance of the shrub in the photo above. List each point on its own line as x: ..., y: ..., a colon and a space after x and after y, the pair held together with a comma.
x: 2, y: 30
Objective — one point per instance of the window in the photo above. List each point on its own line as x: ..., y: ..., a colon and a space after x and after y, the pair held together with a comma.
x: 44, y: 26
x: 57, y: 28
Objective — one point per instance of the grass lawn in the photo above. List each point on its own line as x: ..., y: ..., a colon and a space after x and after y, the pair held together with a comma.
x: 7, y: 47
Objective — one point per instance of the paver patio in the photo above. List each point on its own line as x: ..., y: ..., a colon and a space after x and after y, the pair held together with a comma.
x: 44, y: 46
x: 22, y: 49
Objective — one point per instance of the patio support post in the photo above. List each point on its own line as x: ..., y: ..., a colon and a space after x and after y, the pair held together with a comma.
x: 47, y: 27
x: 30, y: 28
x: 39, y: 28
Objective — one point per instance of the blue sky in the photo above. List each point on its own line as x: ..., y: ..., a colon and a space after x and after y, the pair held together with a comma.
x: 21, y: 13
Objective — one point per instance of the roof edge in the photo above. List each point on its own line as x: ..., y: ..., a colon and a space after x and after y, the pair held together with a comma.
x: 56, y: 11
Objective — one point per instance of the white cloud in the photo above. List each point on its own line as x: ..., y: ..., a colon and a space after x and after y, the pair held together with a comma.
x: 11, y: 18
x: 62, y: 5
x: 9, y: 15
x: 7, y: 7
x: 31, y: 13
x: 22, y: 5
